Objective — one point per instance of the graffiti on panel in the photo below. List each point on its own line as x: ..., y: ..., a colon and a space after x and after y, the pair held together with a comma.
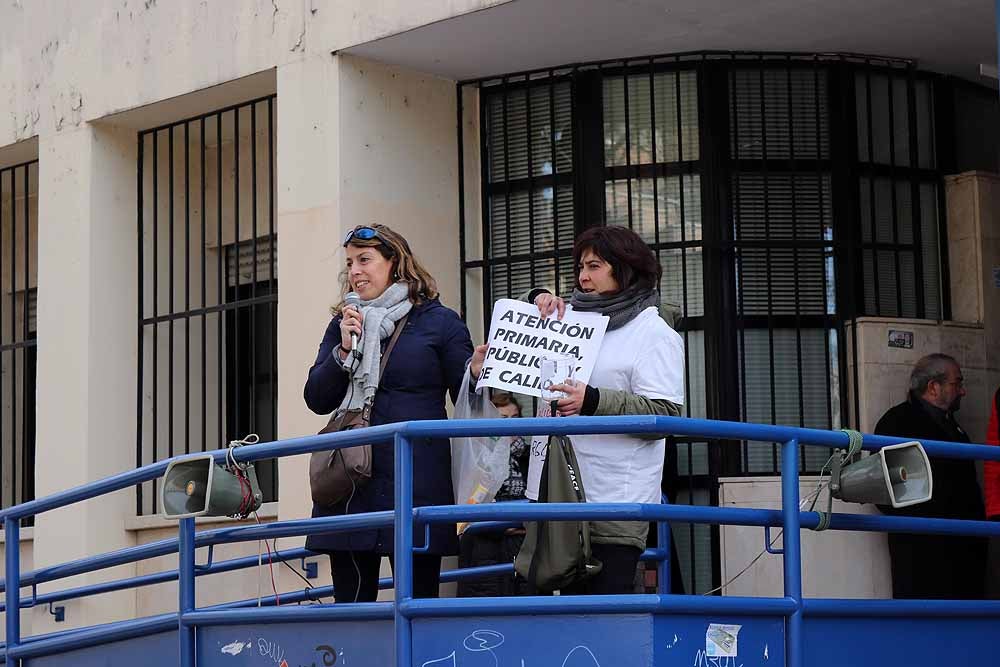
x: 271, y: 652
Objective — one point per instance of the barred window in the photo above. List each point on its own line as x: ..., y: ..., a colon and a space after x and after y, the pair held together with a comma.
x: 18, y: 342
x: 643, y: 131
x: 783, y: 236
x: 652, y: 185
x: 529, y: 189
x: 207, y: 276
x: 783, y: 194
x: 899, y: 193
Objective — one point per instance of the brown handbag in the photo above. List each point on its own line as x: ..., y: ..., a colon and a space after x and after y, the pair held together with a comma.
x: 335, y: 474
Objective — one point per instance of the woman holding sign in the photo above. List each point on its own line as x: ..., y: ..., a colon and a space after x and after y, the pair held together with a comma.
x: 639, y: 370
x: 428, y: 360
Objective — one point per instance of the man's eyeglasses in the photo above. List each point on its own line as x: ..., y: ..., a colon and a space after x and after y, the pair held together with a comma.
x: 958, y: 384
x: 364, y: 234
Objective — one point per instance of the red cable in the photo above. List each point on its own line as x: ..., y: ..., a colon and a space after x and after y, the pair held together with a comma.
x: 247, y: 502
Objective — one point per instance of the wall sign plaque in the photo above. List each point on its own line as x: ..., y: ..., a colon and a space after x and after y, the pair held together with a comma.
x: 901, y: 339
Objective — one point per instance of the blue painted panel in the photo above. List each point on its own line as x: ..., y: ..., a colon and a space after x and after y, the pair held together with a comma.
x: 681, y: 641
x: 159, y: 650
x: 914, y: 642
x: 534, y: 641
x: 341, y: 643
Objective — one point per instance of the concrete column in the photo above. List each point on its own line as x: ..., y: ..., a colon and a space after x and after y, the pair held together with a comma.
x: 309, y: 257
x: 974, y: 257
x: 309, y: 260
x: 87, y: 354
x: 358, y: 142
x: 973, y: 200
x: 974, y: 253
x: 399, y: 161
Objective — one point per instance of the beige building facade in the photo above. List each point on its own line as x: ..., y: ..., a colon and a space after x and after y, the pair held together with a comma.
x: 198, y: 142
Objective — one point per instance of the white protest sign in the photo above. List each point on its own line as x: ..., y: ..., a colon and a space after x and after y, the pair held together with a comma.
x: 519, y: 338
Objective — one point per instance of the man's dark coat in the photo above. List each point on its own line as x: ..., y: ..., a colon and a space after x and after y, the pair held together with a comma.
x: 937, y: 566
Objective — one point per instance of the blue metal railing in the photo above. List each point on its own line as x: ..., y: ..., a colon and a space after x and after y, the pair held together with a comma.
x: 405, y: 608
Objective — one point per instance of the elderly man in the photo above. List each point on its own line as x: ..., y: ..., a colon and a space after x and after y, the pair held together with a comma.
x: 937, y: 566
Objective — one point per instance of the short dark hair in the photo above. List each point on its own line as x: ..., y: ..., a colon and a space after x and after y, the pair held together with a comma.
x: 631, y: 260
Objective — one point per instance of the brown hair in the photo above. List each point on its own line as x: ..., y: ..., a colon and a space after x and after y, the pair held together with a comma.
x: 631, y: 260
x: 504, y: 398
x: 405, y: 267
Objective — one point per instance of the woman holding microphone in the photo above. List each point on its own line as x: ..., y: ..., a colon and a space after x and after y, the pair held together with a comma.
x: 427, y: 362
x: 639, y: 370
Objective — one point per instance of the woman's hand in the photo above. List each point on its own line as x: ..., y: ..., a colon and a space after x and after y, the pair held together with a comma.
x: 350, y: 324
x: 573, y: 403
x: 478, y: 359
x: 549, y: 303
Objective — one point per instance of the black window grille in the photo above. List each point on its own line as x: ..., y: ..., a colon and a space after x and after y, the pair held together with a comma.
x: 627, y: 151
x: 899, y: 194
x: 652, y: 184
x: 783, y: 247
x: 207, y: 273
x: 780, y: 200
x: 18, y: 349
x: 528, y: 208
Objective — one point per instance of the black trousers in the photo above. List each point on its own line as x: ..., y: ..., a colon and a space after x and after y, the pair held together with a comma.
x: 481, y: 549
x: 617, y: 575
x: 355, y: 575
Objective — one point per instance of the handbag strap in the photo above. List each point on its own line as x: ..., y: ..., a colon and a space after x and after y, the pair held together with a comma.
x: 541, y: 531
x: 392, y: 343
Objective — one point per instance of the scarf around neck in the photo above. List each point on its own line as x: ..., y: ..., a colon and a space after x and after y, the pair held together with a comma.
x: 621, y: 307
x: 380, y: 317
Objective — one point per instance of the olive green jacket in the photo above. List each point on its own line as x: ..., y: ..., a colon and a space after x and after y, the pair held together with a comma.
x: 620, y: 402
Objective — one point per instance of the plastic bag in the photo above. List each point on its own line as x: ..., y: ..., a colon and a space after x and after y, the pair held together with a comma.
x: 480, y: 465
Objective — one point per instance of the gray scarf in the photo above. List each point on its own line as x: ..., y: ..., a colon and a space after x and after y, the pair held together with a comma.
x: 621, y: 307
x: 362, y: 363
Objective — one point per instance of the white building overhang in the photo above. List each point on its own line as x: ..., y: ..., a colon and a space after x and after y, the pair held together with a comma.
x: 952, y: 37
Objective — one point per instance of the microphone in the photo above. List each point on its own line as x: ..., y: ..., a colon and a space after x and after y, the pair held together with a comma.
x: 354, y: 301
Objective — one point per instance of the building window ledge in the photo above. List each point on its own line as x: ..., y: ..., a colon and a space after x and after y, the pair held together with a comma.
x: 27, y: 534
x: 267, y: 511
x: 910, y: 321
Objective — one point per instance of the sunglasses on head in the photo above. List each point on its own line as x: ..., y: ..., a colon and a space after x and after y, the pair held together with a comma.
x: 363, y: 234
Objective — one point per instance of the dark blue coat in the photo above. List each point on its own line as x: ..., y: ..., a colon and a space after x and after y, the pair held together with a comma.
x: 428, y: 361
